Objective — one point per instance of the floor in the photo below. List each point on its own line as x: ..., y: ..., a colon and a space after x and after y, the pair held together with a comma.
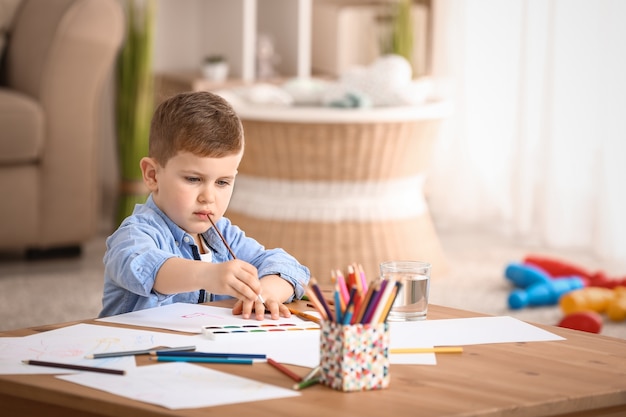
x: 65, y: 289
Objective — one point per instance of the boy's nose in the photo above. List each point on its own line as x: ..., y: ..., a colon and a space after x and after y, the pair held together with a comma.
x: 206, y: 195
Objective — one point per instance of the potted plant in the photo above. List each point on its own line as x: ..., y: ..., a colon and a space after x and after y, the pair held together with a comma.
x: 135, y: 102
x: 215, y: 68
x: 397, y: 29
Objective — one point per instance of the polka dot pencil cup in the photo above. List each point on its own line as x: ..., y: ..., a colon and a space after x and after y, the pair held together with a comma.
x: 354, y: 357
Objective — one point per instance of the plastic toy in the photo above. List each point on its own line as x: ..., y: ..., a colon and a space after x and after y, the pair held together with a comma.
x: 596, y: 299
x: 543, y: 293
x: 586, y: 321
x: 557, y: 268
x: 535, y: 287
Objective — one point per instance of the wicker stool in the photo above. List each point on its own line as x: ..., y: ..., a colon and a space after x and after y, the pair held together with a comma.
x: 333, y: 186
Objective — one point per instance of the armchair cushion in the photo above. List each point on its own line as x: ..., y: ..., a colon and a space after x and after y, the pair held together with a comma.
x: 21, y: 124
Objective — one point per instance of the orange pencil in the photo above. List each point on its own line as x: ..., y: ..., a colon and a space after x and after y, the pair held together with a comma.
x: 304, y: 315
x: 362, y: 277
x: 358, y: 313
x: 353, y: 279
x: 316, y: 302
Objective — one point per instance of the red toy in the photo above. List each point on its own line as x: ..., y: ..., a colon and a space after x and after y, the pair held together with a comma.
x: 586, y: 321
x: 557, y: 268
x: 583, y: 307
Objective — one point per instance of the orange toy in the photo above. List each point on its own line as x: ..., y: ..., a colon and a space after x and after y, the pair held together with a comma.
x: 598, y: 299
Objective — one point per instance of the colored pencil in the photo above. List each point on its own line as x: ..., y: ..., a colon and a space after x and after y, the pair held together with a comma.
x: 307, y: 383
x: 260, y: 297
x: 138, y: 352
x: 440, y: 349
x: 358, y: 313
x: 382, y: 301
x: 282, y: 368
x: 233, y: 361
x: 362, y: 277
x: 312, y: 374
x: 321, y: 299
x: 338, y: 308
x: 343, y: 289
x: 304, y: 315
x: 211, y: 355
x: 373, y: 302
x: 75, y: 367
x: 349, y: 310
x: 315, y: 303
x: 392, y: 299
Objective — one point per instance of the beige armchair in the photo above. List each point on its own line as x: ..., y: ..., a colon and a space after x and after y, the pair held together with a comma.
x: 58, y: 59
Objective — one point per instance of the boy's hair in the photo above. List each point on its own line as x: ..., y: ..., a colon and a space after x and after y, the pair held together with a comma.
x: 201, y: 123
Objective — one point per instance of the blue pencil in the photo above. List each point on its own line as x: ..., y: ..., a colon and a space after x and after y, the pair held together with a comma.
x: 338, y: 307
x: 233, y: 361
x: 211, y: 355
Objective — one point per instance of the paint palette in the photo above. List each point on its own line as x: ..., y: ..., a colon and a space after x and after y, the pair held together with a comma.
x: 239, y: 330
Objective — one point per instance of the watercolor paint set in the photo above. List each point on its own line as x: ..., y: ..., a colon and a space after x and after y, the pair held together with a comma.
x: 239, y: 330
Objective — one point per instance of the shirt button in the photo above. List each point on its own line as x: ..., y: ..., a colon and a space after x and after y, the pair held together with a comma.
x: 186, y: 239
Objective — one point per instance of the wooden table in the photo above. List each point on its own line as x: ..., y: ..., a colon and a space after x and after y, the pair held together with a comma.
x: 584, y: 375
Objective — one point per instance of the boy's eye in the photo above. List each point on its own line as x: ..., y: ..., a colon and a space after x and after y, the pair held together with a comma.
x: 192, y: 179
x: 223, y: 183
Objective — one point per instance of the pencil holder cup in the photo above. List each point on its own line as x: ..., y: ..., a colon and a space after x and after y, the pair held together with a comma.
x: 354, y: 357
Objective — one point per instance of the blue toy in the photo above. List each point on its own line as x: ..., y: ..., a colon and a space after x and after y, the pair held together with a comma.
x: 543, y: 294
x: 536, y: 287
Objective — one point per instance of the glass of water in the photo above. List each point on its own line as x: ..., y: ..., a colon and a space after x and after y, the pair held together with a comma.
x: 411, y: 303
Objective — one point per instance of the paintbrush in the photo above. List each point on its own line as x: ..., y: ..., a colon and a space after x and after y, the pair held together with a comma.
x: 229, y: 250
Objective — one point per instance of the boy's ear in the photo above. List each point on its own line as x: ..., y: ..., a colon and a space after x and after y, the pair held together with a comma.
x: 149, y: 171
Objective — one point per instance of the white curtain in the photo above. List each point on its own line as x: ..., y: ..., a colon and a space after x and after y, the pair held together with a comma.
x: 536, y: 145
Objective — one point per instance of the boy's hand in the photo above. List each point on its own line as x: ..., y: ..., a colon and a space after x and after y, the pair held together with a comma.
x: 239, y: 279
x: 275, y: 291
x: 275, y: 308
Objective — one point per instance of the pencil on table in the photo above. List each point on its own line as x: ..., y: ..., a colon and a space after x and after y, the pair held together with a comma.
x: 232, y: 361
x: 304, y: 315
x: 75, y: 367
x: 312, y: 374
x: 307, y: 383
x: 210, y: 355
x: 282, y: 368
x: 139, y: 352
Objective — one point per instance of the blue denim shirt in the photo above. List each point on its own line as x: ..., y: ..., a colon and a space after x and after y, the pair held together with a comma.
x: 148, y: 238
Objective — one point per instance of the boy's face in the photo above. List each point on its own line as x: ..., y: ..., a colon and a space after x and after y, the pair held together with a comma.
x: 190, y: 187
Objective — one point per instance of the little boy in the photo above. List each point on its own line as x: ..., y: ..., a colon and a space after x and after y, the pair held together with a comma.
x: 167, y: 251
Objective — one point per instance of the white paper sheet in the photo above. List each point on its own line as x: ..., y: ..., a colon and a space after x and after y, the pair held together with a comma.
x: 189, y: 318
x: 72, y: 343
x: 180, y: 385
x: 466, y: 331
